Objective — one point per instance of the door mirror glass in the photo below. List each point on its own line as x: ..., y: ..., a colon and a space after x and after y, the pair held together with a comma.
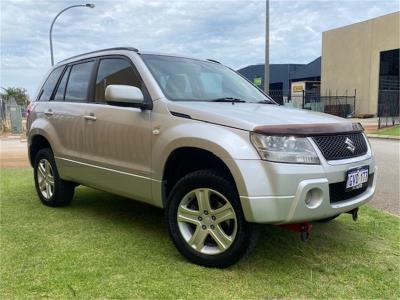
x: 124, y: 94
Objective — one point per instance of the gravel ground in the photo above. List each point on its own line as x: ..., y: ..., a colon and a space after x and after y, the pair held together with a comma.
x: 13, y: 154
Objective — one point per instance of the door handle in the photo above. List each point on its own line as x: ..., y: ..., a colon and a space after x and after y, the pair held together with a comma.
x: 49, y: 112
x: 90, y: 117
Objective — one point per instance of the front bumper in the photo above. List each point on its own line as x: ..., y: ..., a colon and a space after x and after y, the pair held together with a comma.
x: 275, y: 193
x: 293, y: 209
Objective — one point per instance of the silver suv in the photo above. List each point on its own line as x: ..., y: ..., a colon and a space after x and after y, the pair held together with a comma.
x: 196, y: 138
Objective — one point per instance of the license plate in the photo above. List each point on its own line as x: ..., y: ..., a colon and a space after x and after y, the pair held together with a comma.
x: 356, y: 178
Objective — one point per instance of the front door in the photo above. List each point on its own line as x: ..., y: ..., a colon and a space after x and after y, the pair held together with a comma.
x: 118, y: 139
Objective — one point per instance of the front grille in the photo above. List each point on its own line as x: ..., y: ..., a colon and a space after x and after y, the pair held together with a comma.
x: 334, y: 147
x: 337, y: 191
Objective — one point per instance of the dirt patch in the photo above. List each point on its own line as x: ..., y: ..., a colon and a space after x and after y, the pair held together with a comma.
x: 13, y: 153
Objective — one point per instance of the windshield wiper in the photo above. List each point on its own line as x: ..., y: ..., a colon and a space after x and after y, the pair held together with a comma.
x: 266, y: 102
x: 228, y: 99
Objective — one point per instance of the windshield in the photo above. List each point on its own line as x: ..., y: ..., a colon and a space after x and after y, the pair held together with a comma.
x: 185, y: 79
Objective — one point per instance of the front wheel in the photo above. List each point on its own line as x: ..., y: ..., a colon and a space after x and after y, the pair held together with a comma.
x: 206, y: 221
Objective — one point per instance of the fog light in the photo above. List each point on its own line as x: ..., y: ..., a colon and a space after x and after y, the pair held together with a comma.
x: 313, y: 198
x: 308, y: 198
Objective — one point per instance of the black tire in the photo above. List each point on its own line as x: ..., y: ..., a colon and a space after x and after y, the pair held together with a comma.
x: 246, y: 233
x: 63, y: 191
x: 328, y: 219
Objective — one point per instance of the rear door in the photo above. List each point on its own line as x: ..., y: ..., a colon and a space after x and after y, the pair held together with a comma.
x: 118, y: 138
x: 68, y: 106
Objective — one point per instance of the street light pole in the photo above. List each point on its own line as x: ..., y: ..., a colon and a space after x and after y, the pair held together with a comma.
x: 266, y: 67
x: 54, y: 20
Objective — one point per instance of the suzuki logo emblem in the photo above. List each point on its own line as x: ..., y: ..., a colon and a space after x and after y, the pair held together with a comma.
x: 350, y: 145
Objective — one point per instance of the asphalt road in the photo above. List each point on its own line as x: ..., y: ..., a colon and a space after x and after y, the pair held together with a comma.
x: 13, y: 154
x: 387, y: 155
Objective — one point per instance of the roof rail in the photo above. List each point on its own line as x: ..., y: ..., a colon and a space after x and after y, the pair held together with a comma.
x: 101, y: 50
x: 213, y: 60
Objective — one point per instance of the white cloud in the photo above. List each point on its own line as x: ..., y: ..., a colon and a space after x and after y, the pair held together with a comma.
x: 229, y: 31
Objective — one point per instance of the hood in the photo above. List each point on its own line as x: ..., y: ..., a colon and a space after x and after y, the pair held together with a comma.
x: 248, y: 116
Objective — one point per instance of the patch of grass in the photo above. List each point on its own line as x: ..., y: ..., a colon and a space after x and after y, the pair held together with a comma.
x: 392, y: 131
x: 105, y: 246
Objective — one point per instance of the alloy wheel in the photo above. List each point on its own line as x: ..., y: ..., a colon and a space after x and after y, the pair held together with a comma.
x: 45, y: 177
x: 207, y: 221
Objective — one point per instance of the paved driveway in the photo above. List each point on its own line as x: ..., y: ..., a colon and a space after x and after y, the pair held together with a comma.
x: 13, y: 154
x: 387, y: 155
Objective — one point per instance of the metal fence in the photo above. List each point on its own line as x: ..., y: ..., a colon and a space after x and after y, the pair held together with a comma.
x: 342, y: 106
x: 338, y: 105
x: 388, y: 108
x: 279, y: 96
x: 11, y: 117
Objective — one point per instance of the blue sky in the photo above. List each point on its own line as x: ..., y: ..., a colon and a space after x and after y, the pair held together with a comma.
x: 231, y: 31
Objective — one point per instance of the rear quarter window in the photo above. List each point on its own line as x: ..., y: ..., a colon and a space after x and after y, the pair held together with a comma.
x: 50, y: 84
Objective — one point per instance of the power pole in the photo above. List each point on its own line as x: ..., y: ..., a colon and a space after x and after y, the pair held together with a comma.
x: 266, y: 68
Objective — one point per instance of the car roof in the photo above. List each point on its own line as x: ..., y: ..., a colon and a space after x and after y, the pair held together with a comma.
x: 121, y: 49
x: 89, y: 54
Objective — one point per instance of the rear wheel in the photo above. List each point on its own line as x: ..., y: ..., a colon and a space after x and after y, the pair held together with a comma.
x: 206, y: 221
x: 51, y: 189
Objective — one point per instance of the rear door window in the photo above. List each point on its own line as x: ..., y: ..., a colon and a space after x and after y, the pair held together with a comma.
x: 50, y: 84
x: 59, y: 96
x: 79, y: 82
x: 115, y: 71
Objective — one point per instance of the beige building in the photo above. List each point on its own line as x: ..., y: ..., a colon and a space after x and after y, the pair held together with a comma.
x: 363, y: 56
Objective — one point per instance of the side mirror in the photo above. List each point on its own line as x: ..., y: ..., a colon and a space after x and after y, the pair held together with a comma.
x: 124, y: 94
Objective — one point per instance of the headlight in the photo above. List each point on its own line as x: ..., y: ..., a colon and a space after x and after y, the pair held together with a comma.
x: 288, y: 149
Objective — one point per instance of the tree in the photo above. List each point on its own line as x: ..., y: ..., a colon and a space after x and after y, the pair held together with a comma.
x: 19, y: 94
